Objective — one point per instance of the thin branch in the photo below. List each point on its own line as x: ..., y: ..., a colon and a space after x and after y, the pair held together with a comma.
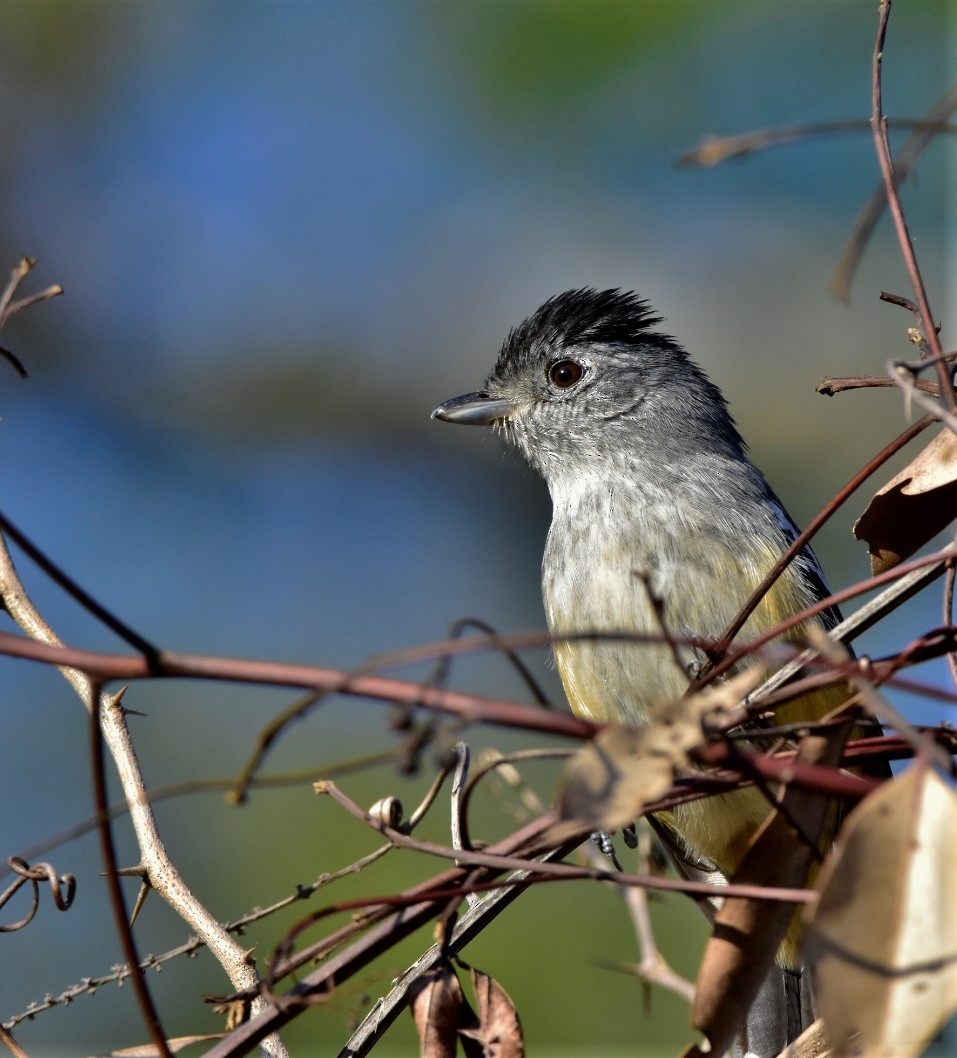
x: 949, y: 582
x: 653, y: 968
x: 801, y: 775
x: 470, y: 708
x: 40, y: 872
x: 463, y: 756
x: 120, y: 915
x: 901, y: 375
x: 470, y: 925
x: 198, y: 786
x: 501, y: 760
x: 830, y: 387
x: 264, y: 741
x: 73, y: 589
x: 882, y: 144
x: 904, y: 164
x: 440, y: 676
x: 714, y: 150
x: 418, y: 906
x: 110, y: 715
x: 913, y: 576
x: 816, y: 523
x: 11, y: 1044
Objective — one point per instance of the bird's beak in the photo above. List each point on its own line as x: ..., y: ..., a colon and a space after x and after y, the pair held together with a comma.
x: 475, y: 409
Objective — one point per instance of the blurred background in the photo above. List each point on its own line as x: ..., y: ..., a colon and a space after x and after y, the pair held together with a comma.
x: 286, y: 232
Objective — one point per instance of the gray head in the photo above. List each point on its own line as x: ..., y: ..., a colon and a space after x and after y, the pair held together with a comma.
x: 588, y: 379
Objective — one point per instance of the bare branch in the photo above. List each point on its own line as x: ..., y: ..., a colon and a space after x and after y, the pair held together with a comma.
x: 904, y: 164
x: 882, y: 144
x: 108, y: 712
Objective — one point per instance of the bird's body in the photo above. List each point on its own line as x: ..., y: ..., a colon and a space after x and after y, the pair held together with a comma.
x: 661, y: 526
x: 646, y: 576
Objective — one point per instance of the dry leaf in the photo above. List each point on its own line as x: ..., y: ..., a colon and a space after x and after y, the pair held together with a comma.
x: 437, y: 1003
x: 748, y: 933
x: 913, y: 507
x: 499, y: 1029
x: 609, y: 781
x: 883, y: 938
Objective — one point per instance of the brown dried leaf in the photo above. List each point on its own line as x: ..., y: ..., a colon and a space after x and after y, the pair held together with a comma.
x: 437, y: 1004
x: 747, y: 933
x: 609, y: 781
x: 883, y: 937
x: 499, y: 1029
x: 913, y: 507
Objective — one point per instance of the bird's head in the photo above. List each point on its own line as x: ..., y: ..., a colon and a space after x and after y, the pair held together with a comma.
x: 588, y: 380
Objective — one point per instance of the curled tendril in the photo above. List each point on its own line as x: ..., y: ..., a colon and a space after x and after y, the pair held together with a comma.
x: 63, y: 889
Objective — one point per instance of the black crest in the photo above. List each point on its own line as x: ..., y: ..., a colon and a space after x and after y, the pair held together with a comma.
x: 582, y: 316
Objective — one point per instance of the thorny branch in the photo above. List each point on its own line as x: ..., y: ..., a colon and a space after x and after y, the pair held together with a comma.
x: 107, y: 715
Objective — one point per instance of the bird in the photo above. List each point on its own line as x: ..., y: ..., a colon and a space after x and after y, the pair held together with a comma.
x: 660, y: 522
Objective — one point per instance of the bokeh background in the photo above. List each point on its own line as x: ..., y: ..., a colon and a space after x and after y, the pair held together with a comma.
x: 286, y: 232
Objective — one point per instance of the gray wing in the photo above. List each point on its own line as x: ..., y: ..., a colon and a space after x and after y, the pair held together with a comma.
x: 806, y: 562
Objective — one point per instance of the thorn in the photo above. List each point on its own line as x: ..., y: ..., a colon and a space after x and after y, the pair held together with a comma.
x: 139, y: 871
x: 140, y: 901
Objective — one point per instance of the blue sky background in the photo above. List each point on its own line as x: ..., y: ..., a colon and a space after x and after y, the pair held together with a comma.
x: 286, y: 232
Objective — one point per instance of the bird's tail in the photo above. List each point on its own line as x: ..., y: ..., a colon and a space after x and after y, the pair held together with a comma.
x: 784, y: 1007
x: 781, y: 1011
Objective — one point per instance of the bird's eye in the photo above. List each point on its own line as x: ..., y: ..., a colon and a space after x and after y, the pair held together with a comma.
x: 565, y: 373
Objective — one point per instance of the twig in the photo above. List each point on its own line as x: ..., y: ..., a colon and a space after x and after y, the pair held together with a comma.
x: 816, y: 523
x: 163, y: 876
x: 912, y: 576
x: 73, y: 589
x: 830, y: 387
x: 653, y: 968
x: 904, y: 164
x: 9, y: 307
x: 882, y: 144
x: 859, y: 622
x: 264, y: 740
x: 121, y: 917
x: 493, y: 761
x: 714, y: 150
x: 902, y: 377
x: 799, y: 774
x: 470, y: 708
x: 459, y: 779
x: 469, y: 926
x: 442, y: 670
x: 197, y: 786
x: 298, y: 710
x: 11, y: 1044
x: 949, y: 582
x: 40, y: 872
x: 859, y: 675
